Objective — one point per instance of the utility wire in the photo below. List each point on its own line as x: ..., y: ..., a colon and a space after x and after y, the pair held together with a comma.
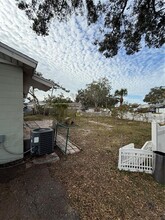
x: 4, y: 148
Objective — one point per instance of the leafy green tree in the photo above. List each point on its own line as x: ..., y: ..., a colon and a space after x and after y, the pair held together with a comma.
x: 59, y: 111
x: 96, y: 94
x: 57, y: 106
x: 131, y: 24
x: 120, y: 94
x: 111, y: 101
x: 57, y: 99
x: 82, y: 96
x: 123, y: 109
x: 155, y: 96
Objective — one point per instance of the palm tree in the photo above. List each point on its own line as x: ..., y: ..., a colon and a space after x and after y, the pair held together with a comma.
x: 120, y: 93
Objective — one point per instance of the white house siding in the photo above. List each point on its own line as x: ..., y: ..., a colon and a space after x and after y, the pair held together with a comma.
x: 11, y: 112
x: 160, y: 110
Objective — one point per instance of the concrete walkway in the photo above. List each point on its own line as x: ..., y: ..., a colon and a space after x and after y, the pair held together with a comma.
x: 33, y: 194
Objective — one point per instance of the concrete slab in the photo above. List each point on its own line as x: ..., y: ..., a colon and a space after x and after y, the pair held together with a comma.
x: 49, y: 158
x: 44, y: 123
x: 34, y: 195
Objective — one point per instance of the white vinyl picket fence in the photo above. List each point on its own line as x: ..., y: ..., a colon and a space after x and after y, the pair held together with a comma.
x: 142, y: 160
x: 136, y: 160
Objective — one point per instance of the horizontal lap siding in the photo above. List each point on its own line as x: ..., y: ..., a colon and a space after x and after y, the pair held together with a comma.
x: 11, y: 112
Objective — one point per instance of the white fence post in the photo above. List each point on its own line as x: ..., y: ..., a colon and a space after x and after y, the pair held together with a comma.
x: 119, y: 161
x: 161, y: 139
x: 154, y: 135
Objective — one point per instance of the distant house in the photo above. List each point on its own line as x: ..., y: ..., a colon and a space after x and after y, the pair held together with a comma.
x: 160, y: 108
x: 143, y: 106
x: 16, y: 77
x: 146, y: 108
x: 90, y: 110
x: 154, y: 108
x: 75, y: 106
x: 30, y: 107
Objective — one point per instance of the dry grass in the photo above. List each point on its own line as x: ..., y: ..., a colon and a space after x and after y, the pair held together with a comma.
x: 35, y: 117
x: 96, y: 188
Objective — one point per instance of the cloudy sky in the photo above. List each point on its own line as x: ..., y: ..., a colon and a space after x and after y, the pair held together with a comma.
x: 69, y: 57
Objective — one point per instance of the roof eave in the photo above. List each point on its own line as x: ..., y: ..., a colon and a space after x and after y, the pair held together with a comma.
x: 18, y: 56
x: 41, y: 83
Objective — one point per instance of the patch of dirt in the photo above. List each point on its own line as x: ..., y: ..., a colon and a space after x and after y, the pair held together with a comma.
x: 85, y: 132
x: 102, y: 124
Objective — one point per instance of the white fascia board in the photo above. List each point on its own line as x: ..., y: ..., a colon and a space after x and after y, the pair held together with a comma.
x: 43, y: 81
x: 17, y: 55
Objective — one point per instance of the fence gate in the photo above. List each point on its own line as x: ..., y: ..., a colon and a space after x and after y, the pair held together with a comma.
x: 62, y: 137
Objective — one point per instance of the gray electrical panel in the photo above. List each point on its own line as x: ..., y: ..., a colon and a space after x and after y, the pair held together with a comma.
x: 2, y: 138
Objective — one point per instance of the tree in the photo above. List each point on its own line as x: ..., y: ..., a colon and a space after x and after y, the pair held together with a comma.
x: 128, y: 24
x: 57, y: 99
x: 96, y: 94
x: 120, y: 94
x: 57, y: 106
x: 82, y: 96
x: 111, y: 101
x: 155, y: 96
x: 35, y: 100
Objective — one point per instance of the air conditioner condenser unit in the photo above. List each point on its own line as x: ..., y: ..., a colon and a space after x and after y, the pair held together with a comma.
x: 42, y: 141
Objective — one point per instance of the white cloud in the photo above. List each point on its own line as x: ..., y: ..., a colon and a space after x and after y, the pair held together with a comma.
x: 68, y: 55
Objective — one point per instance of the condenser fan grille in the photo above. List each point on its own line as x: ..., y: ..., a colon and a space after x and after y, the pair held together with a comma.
x: 42, y: 141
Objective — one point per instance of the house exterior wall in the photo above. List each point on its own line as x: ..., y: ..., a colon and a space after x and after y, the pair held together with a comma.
x: 160, y: 110
x: 11, y: 112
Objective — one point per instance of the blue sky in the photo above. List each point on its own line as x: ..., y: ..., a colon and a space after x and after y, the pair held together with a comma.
x: 69, y: 57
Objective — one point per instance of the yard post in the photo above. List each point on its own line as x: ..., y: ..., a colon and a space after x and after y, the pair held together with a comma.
x: 154, y: 135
